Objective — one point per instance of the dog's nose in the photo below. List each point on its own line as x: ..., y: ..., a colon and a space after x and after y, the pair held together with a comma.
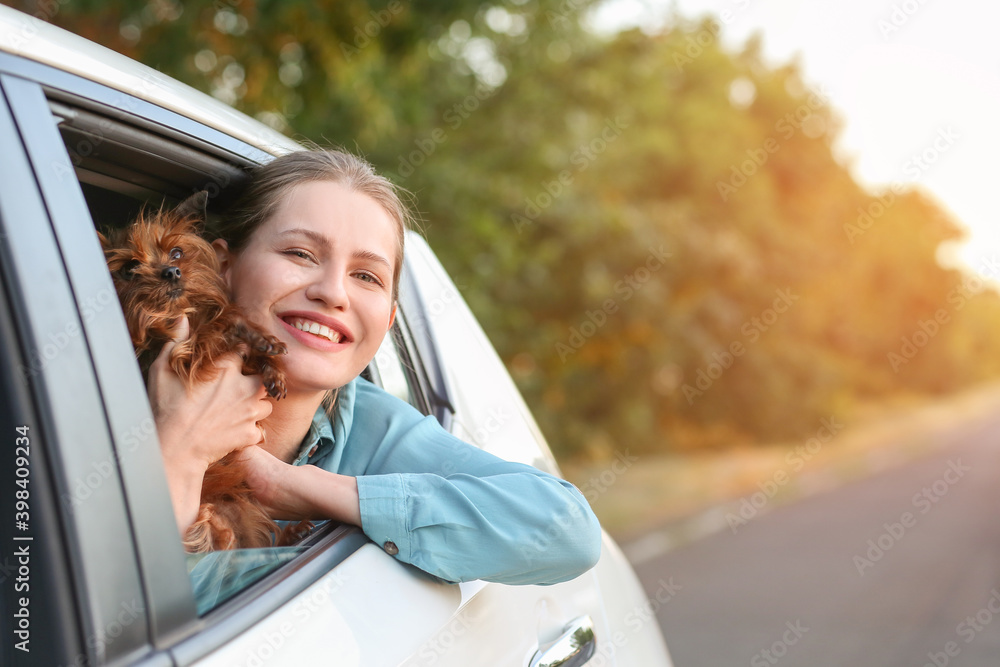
x: 171, y: 273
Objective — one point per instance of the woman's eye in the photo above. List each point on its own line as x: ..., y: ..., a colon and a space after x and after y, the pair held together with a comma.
x: 369, y: 278
x: 301, y: 254
x: 176, y: 254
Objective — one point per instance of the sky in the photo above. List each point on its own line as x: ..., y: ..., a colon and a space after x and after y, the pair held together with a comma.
x: 915, y: 82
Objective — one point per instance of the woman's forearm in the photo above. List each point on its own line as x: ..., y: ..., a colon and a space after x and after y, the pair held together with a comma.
x: 310, y: 493
x: 184, y: 479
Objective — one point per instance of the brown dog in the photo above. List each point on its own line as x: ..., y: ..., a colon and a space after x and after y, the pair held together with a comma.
x: 162, y: 270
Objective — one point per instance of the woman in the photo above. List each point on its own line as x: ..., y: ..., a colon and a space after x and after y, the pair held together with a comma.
x: 313, y: 256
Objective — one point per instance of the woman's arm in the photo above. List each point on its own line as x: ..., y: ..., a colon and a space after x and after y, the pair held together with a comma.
x: 432, y: 500
x: 301, y: 492
x: 475, y: 516
x: 199, y: 425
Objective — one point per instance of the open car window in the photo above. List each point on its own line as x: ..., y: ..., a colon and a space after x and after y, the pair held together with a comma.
x: 123, y: 169
x: 121, y: 164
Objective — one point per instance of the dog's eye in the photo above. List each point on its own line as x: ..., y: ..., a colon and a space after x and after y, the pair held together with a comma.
x: 129, y: 268
x: 176, y: 254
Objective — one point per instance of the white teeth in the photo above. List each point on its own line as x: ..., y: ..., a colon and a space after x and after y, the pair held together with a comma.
x: 317, y: 329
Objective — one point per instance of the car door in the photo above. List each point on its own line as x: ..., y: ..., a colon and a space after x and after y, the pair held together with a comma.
x: 607, y: 604
x: 111, y: 584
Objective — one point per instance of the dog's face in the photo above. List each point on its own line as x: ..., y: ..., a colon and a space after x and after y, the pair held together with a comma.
x: 162, y: 269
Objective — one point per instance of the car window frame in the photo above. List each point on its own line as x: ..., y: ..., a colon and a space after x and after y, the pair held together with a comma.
x: 66, y: 399
x: 172, y: 621
x: 50, y: 592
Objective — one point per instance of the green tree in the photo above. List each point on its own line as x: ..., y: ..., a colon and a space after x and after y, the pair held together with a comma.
x: 654, y: 231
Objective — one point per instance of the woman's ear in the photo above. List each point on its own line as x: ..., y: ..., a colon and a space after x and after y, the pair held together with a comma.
x: 221, y: 249
x: 392, y: 316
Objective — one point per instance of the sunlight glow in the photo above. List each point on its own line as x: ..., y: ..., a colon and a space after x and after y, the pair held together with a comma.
x: 917, y: 89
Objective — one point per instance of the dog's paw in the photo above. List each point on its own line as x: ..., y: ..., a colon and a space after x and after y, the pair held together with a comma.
x: 273, y: 347
x: 274, y: 382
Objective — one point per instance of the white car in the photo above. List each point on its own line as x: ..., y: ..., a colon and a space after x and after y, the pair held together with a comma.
x: 92, y: 569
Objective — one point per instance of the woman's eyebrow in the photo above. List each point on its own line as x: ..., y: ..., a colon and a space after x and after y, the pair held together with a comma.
x: 324, y: 241
x: 374, y: 257
x: 314, y: 236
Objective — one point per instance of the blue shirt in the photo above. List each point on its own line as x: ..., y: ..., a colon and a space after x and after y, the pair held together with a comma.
x: 450, y: 508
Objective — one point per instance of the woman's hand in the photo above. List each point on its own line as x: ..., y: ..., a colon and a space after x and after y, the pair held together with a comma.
x: 200, y: 425
x: 300, y: 492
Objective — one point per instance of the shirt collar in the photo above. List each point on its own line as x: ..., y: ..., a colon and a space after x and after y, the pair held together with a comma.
x: 327, y: 435
x: 318, y: 438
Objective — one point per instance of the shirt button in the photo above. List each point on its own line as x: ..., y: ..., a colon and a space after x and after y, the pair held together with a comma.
x: 390, y: 548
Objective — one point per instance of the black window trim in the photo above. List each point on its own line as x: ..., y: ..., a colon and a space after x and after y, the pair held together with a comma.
x: 52, y: 603
x: 41, y: 295
x: 421, y: 351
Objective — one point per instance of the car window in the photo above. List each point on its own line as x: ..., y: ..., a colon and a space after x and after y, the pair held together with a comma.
x: 123, y: 169
x: 391, y: 373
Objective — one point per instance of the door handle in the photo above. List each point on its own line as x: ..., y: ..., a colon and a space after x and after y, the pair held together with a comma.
x: 574, y: 647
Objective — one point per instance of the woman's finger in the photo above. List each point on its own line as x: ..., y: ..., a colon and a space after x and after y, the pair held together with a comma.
x: 182, y: 330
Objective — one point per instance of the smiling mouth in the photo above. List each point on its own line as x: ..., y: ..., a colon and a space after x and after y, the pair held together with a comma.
x: 315, y: 328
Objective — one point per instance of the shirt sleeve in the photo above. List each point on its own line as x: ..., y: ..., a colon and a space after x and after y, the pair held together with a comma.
x: 456, y: 511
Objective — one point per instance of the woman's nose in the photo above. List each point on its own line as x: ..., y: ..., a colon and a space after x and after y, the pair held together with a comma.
x: 330, y: 288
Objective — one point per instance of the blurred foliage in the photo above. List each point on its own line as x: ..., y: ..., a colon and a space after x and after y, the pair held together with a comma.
x: 653, y: 231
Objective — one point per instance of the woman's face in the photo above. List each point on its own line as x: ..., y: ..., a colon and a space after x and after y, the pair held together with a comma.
x: 318, y: 276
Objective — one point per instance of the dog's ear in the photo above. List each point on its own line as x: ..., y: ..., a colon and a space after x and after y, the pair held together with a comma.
x: 194, y: 209
x: 109, y: 238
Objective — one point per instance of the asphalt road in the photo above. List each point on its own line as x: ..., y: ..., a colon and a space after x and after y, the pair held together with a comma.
x: 900, y: 569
